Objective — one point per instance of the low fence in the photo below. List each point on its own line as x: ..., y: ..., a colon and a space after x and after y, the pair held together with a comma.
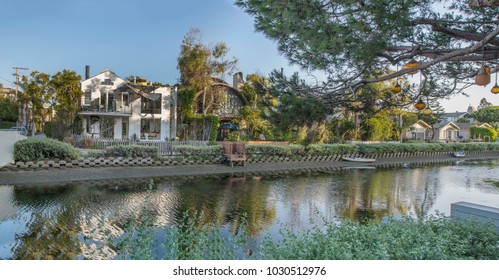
x: 165, y: 147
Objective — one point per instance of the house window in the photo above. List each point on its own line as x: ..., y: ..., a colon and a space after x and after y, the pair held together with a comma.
x: 126, y: 99
x: 151, y: 106
x: 107, y: 82
x: 150, y: 128
x: 103, y: 100
x: 88, y: 98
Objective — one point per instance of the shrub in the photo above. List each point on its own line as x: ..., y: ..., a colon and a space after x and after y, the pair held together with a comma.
x: 187, y: 150
x: 331, y: 149
x: 407, y: 239
x: 38, y: 149
x: 275, y: 150
x: 70, y: 140
x: 86, y: 143
x: 96, y: 153
x: 482, y: 132
x: 132, y: 151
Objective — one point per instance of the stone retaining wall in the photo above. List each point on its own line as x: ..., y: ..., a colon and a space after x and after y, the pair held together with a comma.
x: 123, y: 162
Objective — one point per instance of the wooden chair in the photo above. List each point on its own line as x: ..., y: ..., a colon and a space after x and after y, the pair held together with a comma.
x: 234, y: 152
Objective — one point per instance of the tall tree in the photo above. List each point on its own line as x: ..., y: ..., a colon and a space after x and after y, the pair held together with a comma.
x: 484, y: 104
x: 35, y: 89
x: 199, y: 64
x: 488, y: 114
x: 66, y: 88
x: 350, y: 40
x: 193, y: 62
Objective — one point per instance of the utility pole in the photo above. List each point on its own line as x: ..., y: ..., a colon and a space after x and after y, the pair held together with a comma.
x: 21, y: 118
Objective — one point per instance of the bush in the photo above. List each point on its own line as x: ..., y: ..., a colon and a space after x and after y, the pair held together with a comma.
x: 70, y: 140
x: 482, y: 132
x: 133, y: 151
x: 86, y: 143
x: 96, y: 153
x: 275, y: 150
x: 186, y: 150
x: 39, y: 149
x: 407, y: 239
x: 331, y: 149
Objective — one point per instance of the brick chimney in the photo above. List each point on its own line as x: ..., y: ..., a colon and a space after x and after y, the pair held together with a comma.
x: 238, y: 80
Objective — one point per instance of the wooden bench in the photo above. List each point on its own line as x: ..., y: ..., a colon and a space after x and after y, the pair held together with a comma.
x: 234, y: 152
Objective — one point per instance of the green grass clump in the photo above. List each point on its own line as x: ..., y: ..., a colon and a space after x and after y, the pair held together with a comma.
x: 32, y: 149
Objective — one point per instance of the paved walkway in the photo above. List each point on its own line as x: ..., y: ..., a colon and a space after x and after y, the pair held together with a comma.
x: 57, y: 176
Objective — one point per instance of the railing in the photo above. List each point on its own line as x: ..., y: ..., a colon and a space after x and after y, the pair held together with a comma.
x: 111, y: 108
x: 165, y: 148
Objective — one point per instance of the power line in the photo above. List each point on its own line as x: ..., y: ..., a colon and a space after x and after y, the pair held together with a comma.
x: 7, y: 80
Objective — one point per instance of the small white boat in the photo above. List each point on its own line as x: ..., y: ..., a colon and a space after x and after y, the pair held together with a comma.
x: 459, y: 154
x: 358, y: 159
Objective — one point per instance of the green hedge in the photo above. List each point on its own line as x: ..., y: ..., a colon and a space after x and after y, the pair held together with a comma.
x: 483, y: 132
x: 133, y: 151
x: 39, y: 149
x: 331, y: 149
x: 275, y: 150
x: 186, y: 150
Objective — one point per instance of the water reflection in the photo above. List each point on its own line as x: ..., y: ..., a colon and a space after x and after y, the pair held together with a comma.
x: 62, y: 222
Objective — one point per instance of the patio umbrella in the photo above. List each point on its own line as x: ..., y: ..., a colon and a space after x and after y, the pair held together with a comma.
x: 229, y: 126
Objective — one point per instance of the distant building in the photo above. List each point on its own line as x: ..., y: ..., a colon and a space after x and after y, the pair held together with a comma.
x: 7, y: 92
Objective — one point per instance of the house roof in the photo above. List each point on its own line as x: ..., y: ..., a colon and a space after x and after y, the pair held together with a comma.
x: 423, y: 124
x: 443, y: 124
x: 144, y: 91
x: 455, y: 115
x: 217, y: 82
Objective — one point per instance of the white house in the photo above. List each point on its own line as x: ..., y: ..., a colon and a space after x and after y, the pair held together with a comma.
x: 418, y: 131
x: 446, y: 130
x: 117, y: 109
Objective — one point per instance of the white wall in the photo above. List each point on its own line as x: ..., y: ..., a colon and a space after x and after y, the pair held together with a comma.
x: 94, y: 84
x: 7, y: 141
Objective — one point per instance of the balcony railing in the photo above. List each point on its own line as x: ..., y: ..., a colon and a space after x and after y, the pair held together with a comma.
x: 112, y: 107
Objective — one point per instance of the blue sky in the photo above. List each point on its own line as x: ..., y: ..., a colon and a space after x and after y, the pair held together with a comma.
x: 133, y: 37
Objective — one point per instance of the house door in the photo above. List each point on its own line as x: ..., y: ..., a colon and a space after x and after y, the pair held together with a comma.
x: 449, y: 134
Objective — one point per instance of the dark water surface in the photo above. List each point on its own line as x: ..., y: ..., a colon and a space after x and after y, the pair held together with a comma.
x: 56, y: 219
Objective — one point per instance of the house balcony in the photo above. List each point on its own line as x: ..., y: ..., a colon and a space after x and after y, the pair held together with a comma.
x: 112, y: 109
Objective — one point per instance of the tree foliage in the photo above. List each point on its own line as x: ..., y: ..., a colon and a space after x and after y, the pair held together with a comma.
x: 351, y: 40
x: 9, y: 110
x: 199, y: 65
x: 32, y: 98
x: 488, y: 114
x: 483, y: 132
x: 67, y: 92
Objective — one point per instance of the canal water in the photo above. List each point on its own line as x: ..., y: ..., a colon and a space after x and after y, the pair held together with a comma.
x: 38, y: 221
